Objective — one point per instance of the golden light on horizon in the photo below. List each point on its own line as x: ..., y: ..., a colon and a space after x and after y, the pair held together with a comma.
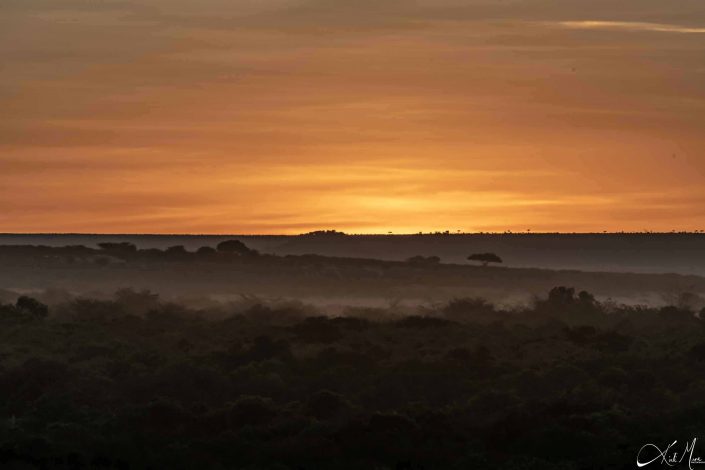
x: 288, y: 116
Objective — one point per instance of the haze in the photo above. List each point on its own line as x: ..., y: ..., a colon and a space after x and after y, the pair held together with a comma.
x: 280, y: 116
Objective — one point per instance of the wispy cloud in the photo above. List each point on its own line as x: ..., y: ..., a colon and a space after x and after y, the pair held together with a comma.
x: 631, y: 26
x: 375, y: 115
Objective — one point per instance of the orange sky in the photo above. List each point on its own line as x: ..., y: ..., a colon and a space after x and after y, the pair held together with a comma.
x: 284, y: 116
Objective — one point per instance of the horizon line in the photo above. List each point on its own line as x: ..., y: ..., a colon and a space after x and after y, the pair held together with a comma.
x: 340, y: 233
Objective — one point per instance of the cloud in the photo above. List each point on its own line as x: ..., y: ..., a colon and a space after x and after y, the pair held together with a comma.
x: 634, y: 26
x: 280, y: 115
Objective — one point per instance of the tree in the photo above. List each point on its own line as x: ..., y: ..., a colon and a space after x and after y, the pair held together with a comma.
x: 561, y: 296
x: 176, y: 250
x: 206, y: 250
x: 32, y: 307
x: 122, y: 247
x: 324, y: 233
x: 122, y: 250
x: 485, y: 258
x: 235, y: 246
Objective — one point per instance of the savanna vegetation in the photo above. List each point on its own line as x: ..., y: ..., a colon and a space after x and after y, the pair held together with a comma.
x: 232, y: 267
x: 138, y: 382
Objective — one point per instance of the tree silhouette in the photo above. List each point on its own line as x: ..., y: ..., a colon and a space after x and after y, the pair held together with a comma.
x: 485, y: 258
x: 234, y: 246
x: 118, y: 248
x: 32, y: 307
x: 561, y: 296
x: 205, y: 250
x: 176, y: 250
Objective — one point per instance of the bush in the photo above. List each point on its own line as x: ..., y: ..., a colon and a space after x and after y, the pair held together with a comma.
x: 235, y: 247
x: 485, y: 258
x: 31, y: 307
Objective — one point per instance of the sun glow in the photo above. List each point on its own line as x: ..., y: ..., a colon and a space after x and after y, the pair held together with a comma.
x: 397, y: 118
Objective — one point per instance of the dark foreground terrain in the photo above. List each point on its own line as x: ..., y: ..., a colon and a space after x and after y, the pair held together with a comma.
x: 134, y: 382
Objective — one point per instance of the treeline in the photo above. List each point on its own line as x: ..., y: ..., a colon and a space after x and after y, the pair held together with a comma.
x: 124, y: 251
x: 136, y: 382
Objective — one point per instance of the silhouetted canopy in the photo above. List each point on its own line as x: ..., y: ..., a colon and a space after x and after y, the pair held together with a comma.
x: 233, y: 246
x: 485, y: 258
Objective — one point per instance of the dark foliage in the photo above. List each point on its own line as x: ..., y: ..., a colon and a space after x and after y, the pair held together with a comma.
x: 135, y: 382
x: 119, y: 249
x: 206, y: 251
x: 31, y: 307
x: 176, y: 250
x: 235, y: 247
x: 485, y: 258
x: 324, y: 233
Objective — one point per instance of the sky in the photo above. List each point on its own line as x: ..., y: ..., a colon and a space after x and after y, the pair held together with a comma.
x: 366, y: 116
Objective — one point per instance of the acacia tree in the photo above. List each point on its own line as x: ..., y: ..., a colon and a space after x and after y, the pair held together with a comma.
x: 485, y: 258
